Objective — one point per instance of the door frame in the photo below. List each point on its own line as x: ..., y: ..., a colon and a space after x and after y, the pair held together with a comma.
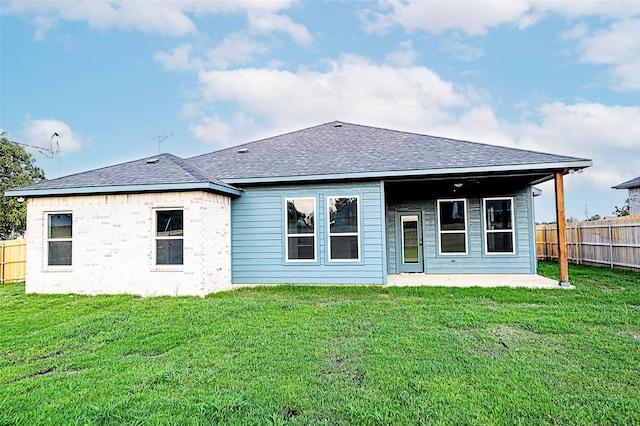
x: 401, y: 265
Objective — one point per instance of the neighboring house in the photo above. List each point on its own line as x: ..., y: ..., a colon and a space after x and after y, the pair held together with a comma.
x: 333, y: 204
x: 633, y: 186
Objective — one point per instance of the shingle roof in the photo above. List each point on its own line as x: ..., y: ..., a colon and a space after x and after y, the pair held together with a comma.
x: 159, y: 170
x: 339, y: 148
x: 333, y: 150
x: 633, y: 183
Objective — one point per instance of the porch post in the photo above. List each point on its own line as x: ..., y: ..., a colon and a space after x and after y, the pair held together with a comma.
x: 563, y: 262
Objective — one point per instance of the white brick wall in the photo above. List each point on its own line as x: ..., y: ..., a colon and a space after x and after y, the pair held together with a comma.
x: 634, y: 200
x: 114, y: 246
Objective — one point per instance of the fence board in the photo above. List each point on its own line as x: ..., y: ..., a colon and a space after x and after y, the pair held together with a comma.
x: 614, y: 242
x: 13, y: 260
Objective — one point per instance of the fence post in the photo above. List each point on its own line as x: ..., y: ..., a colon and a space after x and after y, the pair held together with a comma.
x: 579, y: 238
x: 2, y: 262
x: 610, y: 246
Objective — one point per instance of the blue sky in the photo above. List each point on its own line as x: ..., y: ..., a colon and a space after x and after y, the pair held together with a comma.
x: 560, y: 77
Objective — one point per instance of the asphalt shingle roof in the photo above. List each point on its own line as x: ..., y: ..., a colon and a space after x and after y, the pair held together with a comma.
x: 334, y: 148
x: 633, y: 183
x: 168, y: 169
x: 342, y: 148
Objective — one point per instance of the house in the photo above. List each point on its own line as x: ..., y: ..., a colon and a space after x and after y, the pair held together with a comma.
x: 336, y: 203
x: 633, y: 186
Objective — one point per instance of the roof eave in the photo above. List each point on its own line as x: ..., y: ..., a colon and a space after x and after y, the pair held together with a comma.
x: 125, y: 189
x: 563, y: 167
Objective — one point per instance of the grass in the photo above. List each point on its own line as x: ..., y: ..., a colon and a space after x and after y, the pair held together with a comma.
x: 327, y: 356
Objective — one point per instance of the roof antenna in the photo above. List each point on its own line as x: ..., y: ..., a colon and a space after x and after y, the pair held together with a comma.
x: 160, y: 139
x: 47, y: 152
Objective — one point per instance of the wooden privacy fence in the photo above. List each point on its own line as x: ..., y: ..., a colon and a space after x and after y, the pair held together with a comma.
x: 13, y: 260
x: 611, y: 242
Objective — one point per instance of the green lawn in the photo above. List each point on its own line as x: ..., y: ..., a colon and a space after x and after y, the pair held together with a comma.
x: 328, y: 355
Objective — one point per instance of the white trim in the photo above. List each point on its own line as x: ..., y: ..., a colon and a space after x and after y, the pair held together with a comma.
x: 465, y: 231
x: 47, y: 266
x: 287, y: 235
x: 410, y: 218
x: 155, y: 266
x: 494, y: 231
x: 125, y: 189
x: 343, y: 234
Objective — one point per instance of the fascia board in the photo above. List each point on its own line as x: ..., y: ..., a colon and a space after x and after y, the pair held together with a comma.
x: 409, y: 173
x: 123, y: 189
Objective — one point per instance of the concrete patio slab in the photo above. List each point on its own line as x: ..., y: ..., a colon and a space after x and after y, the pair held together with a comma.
x: 472, y: 280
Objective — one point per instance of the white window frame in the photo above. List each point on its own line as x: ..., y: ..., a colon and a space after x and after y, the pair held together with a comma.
x: 175, y: 237
x: 343, y: 234
x: 488, y: 231
x: 48, y: 240
x: 314, y: 235
x: 465, y: 231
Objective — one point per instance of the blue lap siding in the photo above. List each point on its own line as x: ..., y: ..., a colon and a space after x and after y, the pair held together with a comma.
x: 258, y: 236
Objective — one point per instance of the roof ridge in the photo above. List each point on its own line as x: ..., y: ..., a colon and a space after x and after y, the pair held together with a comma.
x: 441, y: 138
x: 235, y: 147
x: 187, y: 166
x: 104, y: 167
x: 466, y: 141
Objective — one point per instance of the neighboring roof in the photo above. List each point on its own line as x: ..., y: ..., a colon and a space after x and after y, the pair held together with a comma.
x: 331, y: 151
x: 633, y: 183
x: 164, y: 172
x: 340, y: 149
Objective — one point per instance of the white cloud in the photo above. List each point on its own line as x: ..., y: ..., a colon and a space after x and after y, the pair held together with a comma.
x: 607, y: 134
x: 213, y: 129
x: 576, y: 33
x: 476, y: 17
x: 235, y: 49
x: 170, y: 18
x: 619, y: 47
x: 267, y: 22
x: 470, y: 17
x: 39, y: 133
x: 459, y: 50
x: 179, y: 59
x: 405, y: 55
x: 351, y: 89
x: 614, y: 9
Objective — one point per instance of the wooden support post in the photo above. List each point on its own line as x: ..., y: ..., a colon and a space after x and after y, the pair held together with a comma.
x: 563, y: 262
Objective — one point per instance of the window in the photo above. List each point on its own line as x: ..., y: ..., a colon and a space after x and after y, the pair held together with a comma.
x: 169, y: 237
x: 300, y: 238
x: 498, y: 222
x: 59, y: 233
x: 452, y: 226
x: 344, y: 228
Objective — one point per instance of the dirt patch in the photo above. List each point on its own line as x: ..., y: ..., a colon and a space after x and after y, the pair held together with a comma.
x: 146, y: 354
x: 291, y: 412
x: 47, y: 356
x: 38, y: 373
